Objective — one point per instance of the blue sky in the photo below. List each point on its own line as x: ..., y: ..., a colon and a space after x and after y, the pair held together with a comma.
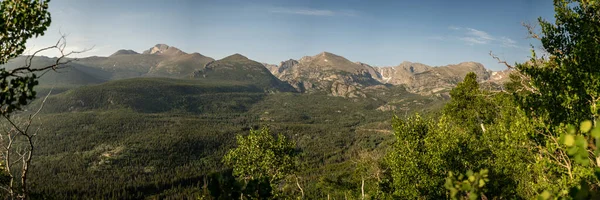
x: 380, y: 33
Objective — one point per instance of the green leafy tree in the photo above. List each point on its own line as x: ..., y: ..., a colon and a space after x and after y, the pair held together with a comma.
x: 469, y: 106
x: 261, y: 161
x: 20, y: 20
x: 426, y: 150
x: 562, y: 87
x: 367, y: 169
x: 565, y: 84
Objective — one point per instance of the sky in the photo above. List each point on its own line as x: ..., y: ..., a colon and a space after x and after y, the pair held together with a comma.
x: 376, y: 32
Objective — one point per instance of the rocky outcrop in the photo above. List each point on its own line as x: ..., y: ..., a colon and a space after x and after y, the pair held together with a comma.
x: 326, y: 72
x: 401, y: 74
x: 163, y: 49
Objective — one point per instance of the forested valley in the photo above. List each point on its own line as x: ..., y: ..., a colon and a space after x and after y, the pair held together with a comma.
x: 157, y: 126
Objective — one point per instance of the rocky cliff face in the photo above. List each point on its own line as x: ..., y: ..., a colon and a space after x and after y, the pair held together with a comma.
x: 443, y: 78
x: 333, y: 74
x: 326, y: 72
x: 401, y: 74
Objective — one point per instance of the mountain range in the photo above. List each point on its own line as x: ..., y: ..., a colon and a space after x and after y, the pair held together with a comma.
x: 322, y: 73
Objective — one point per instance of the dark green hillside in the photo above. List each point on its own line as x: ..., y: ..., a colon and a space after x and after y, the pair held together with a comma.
x: 241, y: 69
x: 158, y: 137
x: 122, y: 154
x: 182, y: 66
x: 151, y: 95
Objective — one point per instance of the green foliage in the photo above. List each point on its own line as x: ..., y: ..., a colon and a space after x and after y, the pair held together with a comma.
x: 566, y: 84
x: 468, y: 105
x: 260, y: 158
x: 427, y: 149
x: 21, y: 20
x: 467, y: 186
x: 15, y: 92
x: 562, y: 88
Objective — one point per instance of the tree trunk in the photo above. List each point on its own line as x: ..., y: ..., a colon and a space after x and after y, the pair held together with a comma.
x: 301, y: 190
x: 362, y: 188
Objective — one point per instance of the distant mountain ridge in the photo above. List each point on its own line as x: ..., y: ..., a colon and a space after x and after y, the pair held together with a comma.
x: 322, y: 73
x: 335, y: 74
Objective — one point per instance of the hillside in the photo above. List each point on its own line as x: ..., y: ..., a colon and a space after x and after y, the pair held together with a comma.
x: 171, y: 132
x: 239, y: 68
x: 182, y: 66
x: 151, y: 95
x: 124, y: 52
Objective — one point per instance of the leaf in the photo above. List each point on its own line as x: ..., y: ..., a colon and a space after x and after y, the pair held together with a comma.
x: 572, y: 151
x: 471, y: 178
x: 569, y: 140
x: 585, y: 126
x: 571, y: 129
x: 473, y: 196
x: 466, y: 186
x: 545, y: 195
x: 596, y: 132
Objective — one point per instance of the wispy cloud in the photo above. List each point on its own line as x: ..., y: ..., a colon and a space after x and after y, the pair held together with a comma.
x: 480, y: 35
x: 453, y: 27
x: 474, y: 40
x: 507, y: 42
x: 313, y: 12
x: 473, y: 36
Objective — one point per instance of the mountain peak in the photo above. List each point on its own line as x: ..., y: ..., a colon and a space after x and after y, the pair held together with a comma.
x: 236, y: 56
x: 163, y: 49
x: 326, y: 54
x: 124, y: 52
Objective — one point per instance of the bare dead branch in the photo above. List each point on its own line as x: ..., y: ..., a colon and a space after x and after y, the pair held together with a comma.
x: 60, y: 45
x: 525, y: 85
x: 501, y: 61
x: 531, y: 30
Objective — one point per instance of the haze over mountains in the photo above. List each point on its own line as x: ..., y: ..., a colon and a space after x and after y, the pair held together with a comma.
x: 322, y: 73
